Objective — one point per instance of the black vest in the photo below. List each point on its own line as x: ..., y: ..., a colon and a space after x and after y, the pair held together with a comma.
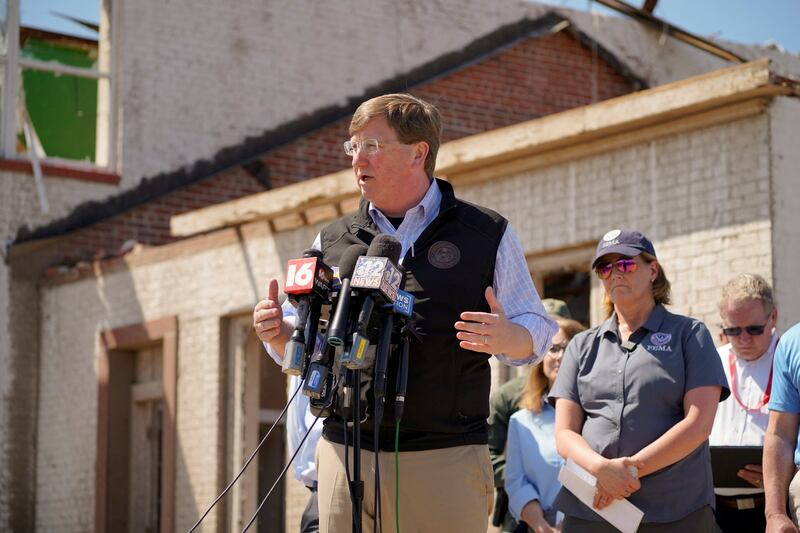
x: 448, y: 387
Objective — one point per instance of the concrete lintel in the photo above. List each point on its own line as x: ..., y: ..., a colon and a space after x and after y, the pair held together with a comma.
x: 624, y: 113
x: 325, y: 190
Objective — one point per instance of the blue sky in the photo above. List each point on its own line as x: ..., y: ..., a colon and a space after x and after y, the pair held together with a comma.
x: 744, y: 21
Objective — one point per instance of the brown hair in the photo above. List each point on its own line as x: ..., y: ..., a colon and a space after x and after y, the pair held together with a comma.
x: 411, y: 118
x: 662, y: 289
x: 536, y: 386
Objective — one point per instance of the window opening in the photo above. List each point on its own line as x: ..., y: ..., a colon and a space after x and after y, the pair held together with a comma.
x: 57, y: 100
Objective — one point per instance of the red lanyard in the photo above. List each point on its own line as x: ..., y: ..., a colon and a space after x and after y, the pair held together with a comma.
x: 763, y: 401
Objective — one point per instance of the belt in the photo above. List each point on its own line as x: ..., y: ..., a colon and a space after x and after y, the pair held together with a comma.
x: 741, y: 502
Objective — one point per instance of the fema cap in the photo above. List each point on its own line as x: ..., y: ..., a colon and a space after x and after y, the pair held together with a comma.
x: 624, y: 242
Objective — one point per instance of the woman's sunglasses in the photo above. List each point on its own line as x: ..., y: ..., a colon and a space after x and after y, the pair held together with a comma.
x: 623, y: 265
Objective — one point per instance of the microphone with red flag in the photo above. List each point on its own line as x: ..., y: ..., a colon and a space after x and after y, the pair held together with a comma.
x: 308, y: 284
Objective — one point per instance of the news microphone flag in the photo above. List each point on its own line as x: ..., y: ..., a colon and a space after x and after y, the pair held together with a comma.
x: 404, y: 303
x: 307, y: 275
x: 306, y: 278
x: 377, y: 273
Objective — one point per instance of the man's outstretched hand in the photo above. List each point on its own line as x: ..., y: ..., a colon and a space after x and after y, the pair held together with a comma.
x: 493, y: 332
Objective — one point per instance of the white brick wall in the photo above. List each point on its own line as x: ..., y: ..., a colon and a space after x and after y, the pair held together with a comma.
x: 5, y: 400
x: 19, y: 206
x: 702, y: 197
x: 785, y: 165
x: 198, y: 289
x: 200, y: 75
x: 19, y: 203
x: 698, y: 195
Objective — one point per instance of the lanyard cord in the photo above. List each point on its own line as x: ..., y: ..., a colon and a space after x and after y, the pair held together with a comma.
x: 764, y: 399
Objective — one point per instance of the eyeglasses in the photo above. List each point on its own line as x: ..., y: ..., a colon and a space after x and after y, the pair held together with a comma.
x: 623, y: 265
x: 556, y: 348
x: 753, y: 331
x: 369, y: 146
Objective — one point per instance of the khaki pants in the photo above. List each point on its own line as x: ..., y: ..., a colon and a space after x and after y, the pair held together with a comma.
x: 450, y: 489
x: 794, y: 497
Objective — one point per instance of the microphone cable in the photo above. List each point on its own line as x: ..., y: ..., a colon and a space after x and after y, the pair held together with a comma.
x: 348, y: 478
x: 347, y: 474
x: 376, y: 503
x: 249, y: 460
x: 280, y: 476
x: 397, y: 476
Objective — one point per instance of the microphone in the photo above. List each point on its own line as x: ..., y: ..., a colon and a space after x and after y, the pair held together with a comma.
x: 377, y: 269
x: 308, y: 284
x: 404, y: 304
x: 337, y: 329
x: 377, y: 272
x: 317, y: 381
x: 392, y: 250
x: 401, y: 384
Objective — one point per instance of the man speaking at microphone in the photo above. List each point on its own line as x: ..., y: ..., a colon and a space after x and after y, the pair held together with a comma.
x: 474, y: 297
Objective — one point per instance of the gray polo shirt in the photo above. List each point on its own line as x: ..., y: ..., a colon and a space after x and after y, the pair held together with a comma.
x: 632, y: 397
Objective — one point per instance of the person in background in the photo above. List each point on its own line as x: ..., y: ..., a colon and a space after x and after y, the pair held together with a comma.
x: 636, y: 397
x: 532, y: 462
x: 299, y: 421
x: 749, y: 316
x: 503, y: 403
x: 781, y: 447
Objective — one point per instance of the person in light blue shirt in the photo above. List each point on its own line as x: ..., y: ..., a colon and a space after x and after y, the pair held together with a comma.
x: 781, y: 443
x: 299, y: 421
x: 532, y: 462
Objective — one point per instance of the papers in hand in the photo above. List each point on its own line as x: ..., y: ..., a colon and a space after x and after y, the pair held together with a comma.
x: 621, y: 514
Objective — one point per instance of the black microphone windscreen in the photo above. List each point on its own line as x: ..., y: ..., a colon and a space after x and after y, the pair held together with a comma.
x: 347, y: 263
x: 384, y: 245
x: 313, y: 252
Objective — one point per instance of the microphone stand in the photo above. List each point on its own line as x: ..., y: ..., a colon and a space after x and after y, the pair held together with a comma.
x: 357, y: 485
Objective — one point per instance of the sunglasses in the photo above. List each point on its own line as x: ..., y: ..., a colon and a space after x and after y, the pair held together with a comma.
x: 623, y: 265
x: 753, y: 331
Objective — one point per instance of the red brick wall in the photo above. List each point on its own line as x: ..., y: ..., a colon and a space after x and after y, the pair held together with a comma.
x: 532, y: 78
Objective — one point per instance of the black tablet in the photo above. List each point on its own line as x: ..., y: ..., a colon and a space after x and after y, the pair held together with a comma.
x: 727, y: 460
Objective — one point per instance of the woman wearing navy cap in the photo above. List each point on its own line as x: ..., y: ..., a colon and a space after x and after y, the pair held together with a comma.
x: 635, y: 399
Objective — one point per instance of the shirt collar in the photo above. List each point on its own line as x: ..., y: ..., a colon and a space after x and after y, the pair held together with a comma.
x: 428, y: 206
x: 653, y: 322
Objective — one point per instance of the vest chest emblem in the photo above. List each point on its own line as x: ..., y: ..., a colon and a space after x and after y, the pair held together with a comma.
x: 444, y: 255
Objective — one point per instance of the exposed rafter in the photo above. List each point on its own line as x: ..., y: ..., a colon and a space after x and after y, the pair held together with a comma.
x: 649, y: 5
x: 646, y: 17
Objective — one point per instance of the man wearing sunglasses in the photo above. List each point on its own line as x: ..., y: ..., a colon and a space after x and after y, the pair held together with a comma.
x: 749, y: 315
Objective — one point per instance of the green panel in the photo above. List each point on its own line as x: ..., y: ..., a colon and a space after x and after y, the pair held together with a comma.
x: 63, y: 108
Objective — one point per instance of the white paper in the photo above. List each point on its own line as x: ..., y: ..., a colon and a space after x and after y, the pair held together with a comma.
x: 621, y: 514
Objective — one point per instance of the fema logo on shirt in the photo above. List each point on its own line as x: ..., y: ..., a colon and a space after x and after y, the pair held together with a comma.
x: 660, y: 342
